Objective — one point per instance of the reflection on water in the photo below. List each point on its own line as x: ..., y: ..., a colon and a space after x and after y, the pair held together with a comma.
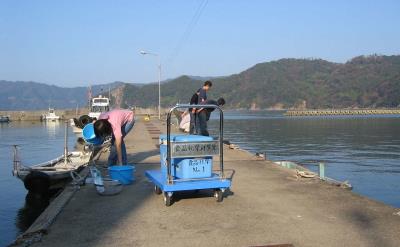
x: 38, y: 142
x: 364, y: 150
x: 52, y: 127
x: 33, y: 207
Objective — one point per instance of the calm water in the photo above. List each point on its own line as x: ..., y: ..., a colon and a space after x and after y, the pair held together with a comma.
x: 39, y: 142
x: 363, y: 150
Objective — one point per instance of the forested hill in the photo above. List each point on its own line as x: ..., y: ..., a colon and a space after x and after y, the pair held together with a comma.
x: 365, y: 81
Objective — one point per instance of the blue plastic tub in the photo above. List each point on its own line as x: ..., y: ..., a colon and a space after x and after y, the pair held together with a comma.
x: 89, y: 136
x: 124, y: 174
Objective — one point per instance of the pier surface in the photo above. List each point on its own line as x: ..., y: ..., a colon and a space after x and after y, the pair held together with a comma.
x: 267, y: 205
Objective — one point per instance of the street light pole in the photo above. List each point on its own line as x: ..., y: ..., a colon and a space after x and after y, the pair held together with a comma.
x: 159, y: 88
x: 159, y: 79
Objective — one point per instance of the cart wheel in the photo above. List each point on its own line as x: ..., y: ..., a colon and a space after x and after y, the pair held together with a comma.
x: 218, y: 195
x: 157, y: 190
x: 167, y: 199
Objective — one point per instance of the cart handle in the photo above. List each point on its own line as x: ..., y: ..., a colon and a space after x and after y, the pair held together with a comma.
x: 221, y: 137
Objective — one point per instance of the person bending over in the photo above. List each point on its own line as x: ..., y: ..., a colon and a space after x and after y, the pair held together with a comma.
x: 203, y: 115
x: 116, y: 123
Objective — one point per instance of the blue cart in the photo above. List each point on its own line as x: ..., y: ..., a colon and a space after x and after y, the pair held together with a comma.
x: 187, y: 162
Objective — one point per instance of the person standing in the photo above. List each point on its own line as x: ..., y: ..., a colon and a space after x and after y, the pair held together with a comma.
x: 204, y: 114
x: 116, y: 123
x: 198, y: 97
x: 203, y: 92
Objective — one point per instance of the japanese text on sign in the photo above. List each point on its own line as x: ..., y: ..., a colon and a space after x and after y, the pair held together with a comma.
x: 191, y: 149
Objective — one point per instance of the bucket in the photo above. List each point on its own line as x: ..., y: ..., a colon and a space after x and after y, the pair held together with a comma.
x: 89, y: 136
x: 124, y: 174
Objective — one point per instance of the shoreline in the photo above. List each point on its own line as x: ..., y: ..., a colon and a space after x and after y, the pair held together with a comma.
x: 66, y: 114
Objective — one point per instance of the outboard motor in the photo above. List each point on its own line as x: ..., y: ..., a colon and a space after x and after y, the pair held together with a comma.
x: 77, y: 123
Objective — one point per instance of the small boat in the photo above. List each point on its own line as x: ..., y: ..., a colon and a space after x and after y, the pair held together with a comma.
x: 50, y: 116
x: 52, y: 174
x: 4, y: 119
x: 75, y: 127
x: 77, y: 124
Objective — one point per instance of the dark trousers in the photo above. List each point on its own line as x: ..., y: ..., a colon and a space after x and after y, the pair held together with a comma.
x: 202, y: 123
x: 113, y: 156
x: 193, y: 125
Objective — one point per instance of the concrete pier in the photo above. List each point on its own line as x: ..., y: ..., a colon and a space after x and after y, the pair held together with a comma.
x: 267, y: 205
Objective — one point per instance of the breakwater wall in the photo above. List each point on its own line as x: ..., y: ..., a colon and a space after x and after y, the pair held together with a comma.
x: 66, y: 114
x: 333, y: 112
x: 35, y: 115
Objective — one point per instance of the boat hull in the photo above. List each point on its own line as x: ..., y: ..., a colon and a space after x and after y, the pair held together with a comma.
x: 56, y: 172
x: 4, y: 119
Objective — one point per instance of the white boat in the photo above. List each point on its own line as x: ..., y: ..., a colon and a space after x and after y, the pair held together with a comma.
x: 52, y: 174
x: 50, y: 116
x: 77, y: 131
x: 99, y: 105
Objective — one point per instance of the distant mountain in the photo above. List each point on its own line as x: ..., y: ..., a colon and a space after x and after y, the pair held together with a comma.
x: 174, y: 91
x: 364, y: 81
x: 22, y: 95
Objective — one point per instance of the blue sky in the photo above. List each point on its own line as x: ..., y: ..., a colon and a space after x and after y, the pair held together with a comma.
x: 73, y: 43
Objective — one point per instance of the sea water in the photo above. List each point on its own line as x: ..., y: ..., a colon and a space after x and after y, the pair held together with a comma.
x: 365, y: 150
x: 38, y: 142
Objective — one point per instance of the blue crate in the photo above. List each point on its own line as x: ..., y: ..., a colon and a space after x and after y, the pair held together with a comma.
x: 186, y: 167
